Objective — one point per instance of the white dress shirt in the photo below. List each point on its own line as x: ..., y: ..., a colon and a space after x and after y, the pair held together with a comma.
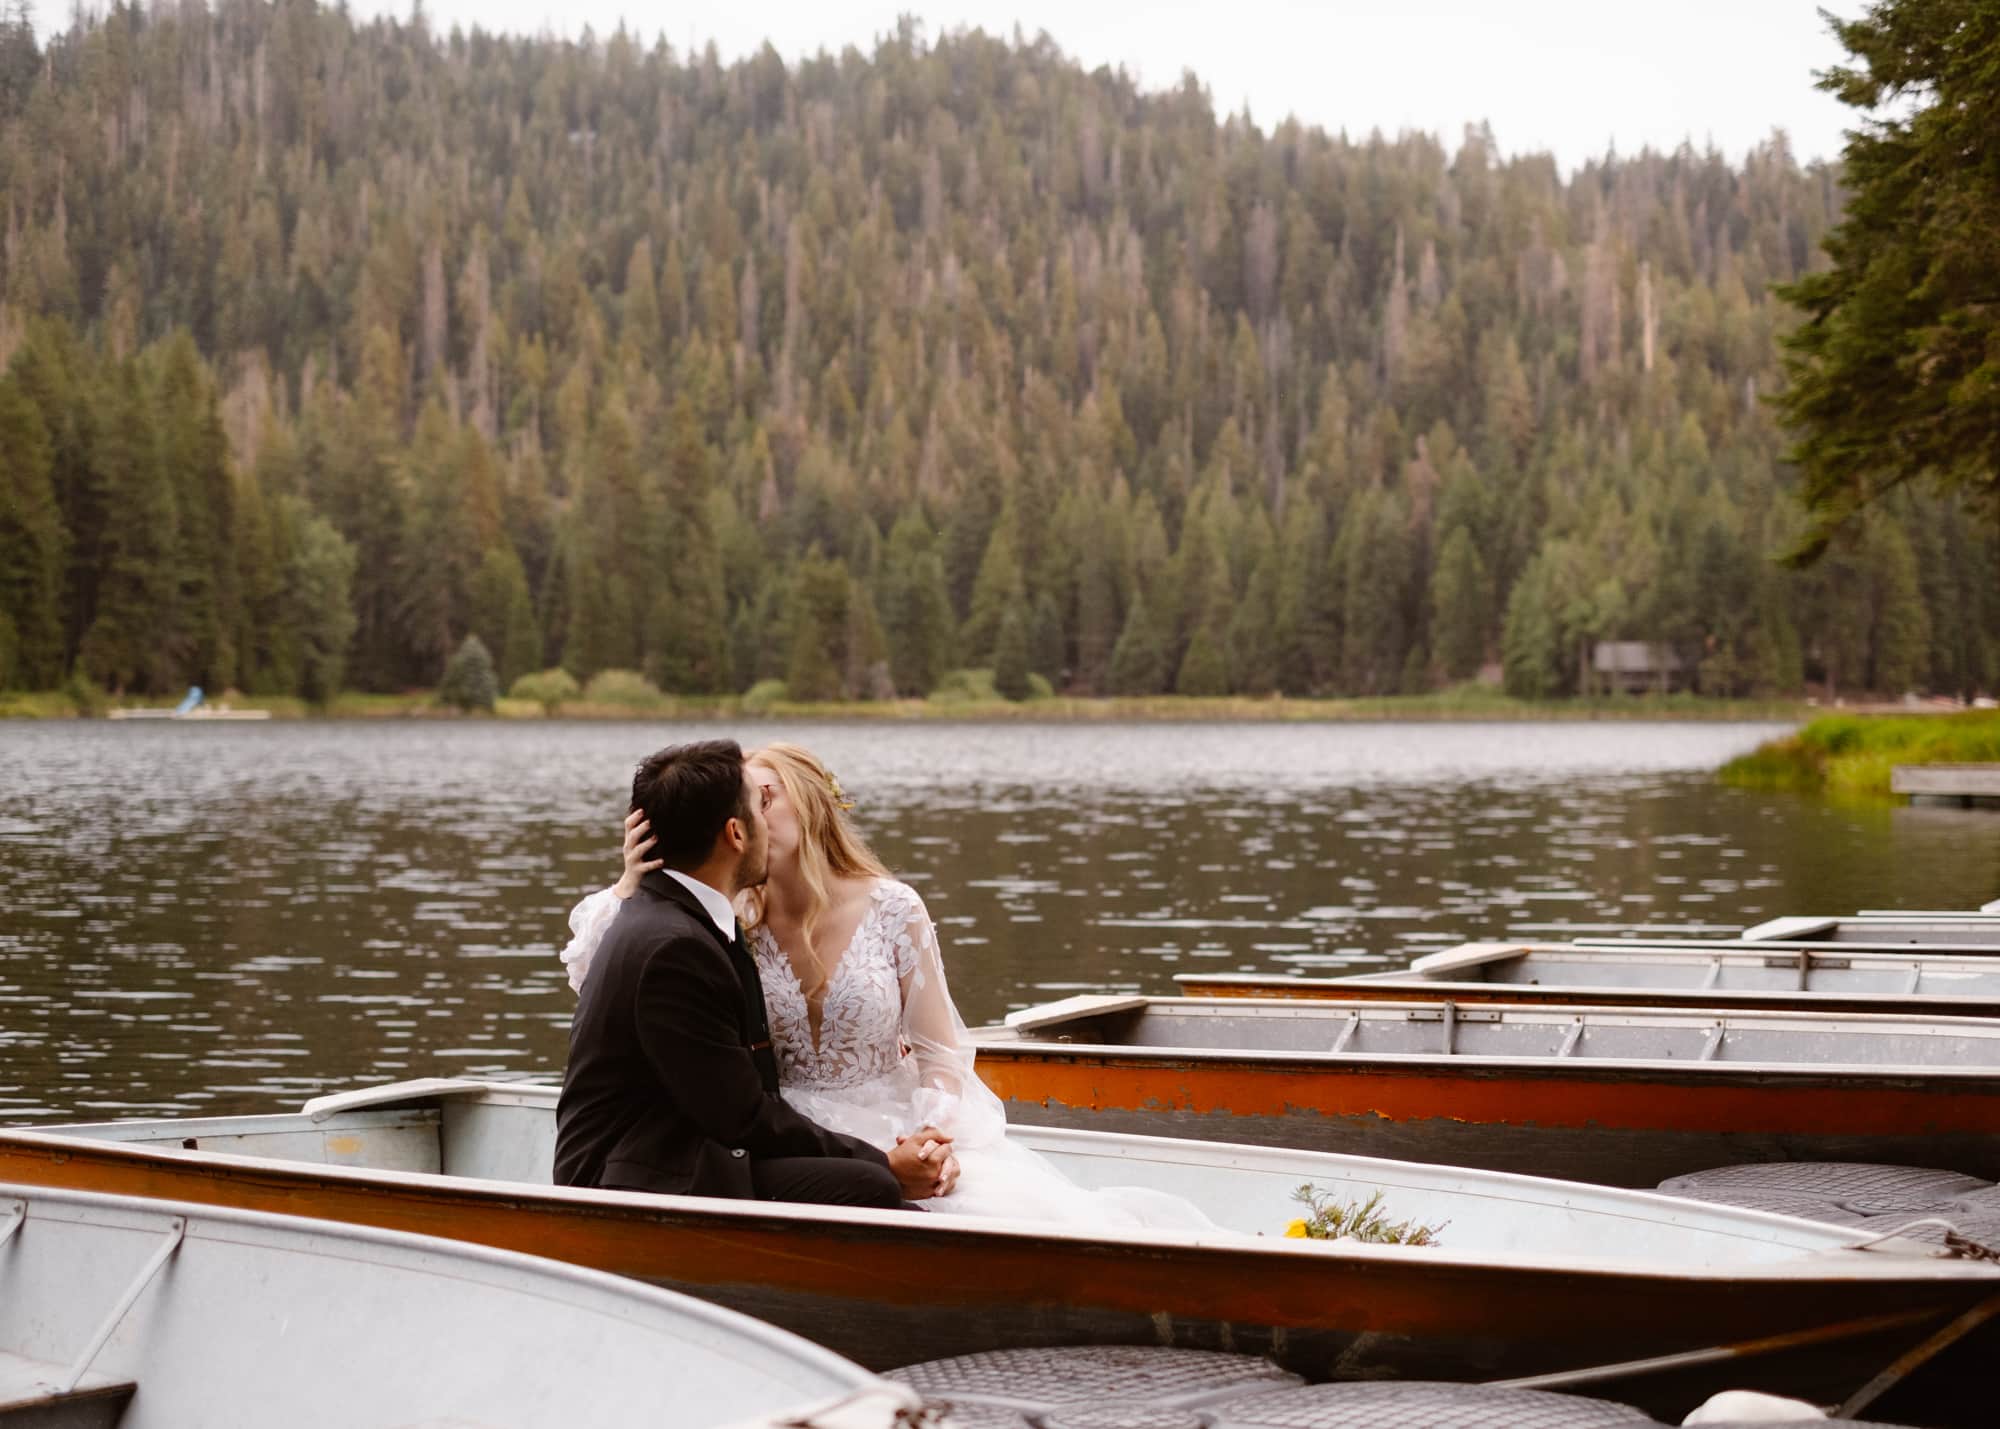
x: 714, y: 902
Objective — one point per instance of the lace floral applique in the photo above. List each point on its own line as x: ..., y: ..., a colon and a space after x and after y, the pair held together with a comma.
x: 861, y: 1014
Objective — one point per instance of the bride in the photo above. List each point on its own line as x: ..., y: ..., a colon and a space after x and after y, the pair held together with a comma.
x: 867, y: 1039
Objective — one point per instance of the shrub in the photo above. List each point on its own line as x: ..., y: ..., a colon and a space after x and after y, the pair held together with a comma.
x: 627, y: 689
x: 86, y: 694
x: 1039, y: 688
x: 469, y: 682
x: 962, y: 687
x: 547, y: 688
x: 764, y: 694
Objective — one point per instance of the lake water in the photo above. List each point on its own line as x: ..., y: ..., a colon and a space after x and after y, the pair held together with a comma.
x: 225, y: 918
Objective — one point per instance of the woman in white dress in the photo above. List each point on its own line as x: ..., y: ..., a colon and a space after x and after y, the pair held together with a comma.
x: 867, y: 1039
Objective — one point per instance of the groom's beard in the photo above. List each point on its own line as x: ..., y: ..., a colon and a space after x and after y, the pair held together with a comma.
x: 752, y: 872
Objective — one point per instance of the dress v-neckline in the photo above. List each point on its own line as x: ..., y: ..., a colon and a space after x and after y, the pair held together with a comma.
x: 813, y: 1022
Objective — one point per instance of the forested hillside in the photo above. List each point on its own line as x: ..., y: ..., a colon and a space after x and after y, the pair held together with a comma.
x: 327, y: 343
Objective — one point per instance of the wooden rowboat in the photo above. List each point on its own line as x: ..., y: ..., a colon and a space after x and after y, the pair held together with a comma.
x: 152, y: 1314
x: 1621, y: 1096
x: 1531, y: 1276
x: 1616, y: 974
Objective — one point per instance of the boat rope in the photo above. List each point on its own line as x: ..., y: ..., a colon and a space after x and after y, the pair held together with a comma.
x: 1957, y: 1244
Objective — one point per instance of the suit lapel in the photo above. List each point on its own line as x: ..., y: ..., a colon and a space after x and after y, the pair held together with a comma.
x: 756, y: 1026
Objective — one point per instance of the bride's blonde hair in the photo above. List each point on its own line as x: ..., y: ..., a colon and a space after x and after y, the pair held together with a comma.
x: 829, y: 847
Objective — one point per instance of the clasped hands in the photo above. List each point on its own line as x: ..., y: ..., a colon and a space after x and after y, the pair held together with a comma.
x: 923, y: 1164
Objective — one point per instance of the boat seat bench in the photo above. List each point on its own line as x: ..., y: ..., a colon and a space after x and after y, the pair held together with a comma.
x: 27, y: 1400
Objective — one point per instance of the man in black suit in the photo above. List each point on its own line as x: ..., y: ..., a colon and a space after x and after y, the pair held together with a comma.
x: 672, y: 1085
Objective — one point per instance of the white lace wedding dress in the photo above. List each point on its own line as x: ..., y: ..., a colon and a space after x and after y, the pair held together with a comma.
x: 892, y: 1055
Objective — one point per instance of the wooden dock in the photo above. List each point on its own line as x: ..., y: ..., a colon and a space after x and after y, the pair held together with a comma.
x: 1963, y: 782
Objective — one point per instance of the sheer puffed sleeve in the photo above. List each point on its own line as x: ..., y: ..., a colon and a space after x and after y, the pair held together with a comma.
x: 587, y: 924
x: 950, y: 1095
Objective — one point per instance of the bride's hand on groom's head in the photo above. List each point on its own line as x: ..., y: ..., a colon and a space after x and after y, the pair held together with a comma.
x: 638, y: 842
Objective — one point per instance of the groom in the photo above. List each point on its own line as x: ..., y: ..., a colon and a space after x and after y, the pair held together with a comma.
x: 672, y: 1086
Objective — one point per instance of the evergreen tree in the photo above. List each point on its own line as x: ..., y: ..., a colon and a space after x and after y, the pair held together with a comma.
x: 1202, y: 669
x: 818, y: 619
x: 688, y: 627
x: 1010, y: 655
x: 1531, y: 643
x: 469, y: 683
x: 1894, y: 374
x: 450, y: 315
x: 997, y: 588
x: 193, y: 456
x: 136, y: 579
x: 503, y: 614
x: 1460, y: 602
x: 33, y: 546
x: 318, y: 600
x: 917, y: 623
x: 1139, y: 661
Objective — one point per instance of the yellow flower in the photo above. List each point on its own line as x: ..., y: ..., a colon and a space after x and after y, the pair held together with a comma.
x: 1296, y: 1231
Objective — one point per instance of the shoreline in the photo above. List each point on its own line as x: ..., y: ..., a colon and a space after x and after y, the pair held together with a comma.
x: 1846, y: 756
x: 1447, y: 707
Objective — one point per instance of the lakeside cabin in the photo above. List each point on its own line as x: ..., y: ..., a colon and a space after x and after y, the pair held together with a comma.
x: 1637, y: 667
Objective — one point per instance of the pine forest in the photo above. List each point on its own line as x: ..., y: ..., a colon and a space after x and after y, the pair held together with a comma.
x: 329, y: 344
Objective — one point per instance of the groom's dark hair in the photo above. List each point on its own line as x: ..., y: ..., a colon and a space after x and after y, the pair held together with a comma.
x: 688, y: 792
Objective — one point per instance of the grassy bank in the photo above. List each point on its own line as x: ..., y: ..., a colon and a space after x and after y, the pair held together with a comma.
x: 1853, y: 754
x: 1461, y: 704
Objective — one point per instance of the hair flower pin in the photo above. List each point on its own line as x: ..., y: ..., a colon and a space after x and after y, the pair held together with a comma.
x: 833, y: 788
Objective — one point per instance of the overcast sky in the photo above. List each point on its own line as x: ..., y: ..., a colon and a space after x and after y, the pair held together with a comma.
x: 1572, y: 76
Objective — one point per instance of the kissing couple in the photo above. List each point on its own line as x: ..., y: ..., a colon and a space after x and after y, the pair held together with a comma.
x: 762, y: 1013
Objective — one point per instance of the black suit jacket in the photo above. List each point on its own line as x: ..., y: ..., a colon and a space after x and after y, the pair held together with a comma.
x: 671, y: 1084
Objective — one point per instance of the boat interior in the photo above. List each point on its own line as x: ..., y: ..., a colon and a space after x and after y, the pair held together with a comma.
x: 505, y: 1133
x: 1279, y: 1026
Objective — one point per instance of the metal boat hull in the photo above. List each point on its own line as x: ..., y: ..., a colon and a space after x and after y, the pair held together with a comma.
x: 887, y: 1289
x: 1684, y: 976
x: 1623, y: 1097
x: 1611, y: 1125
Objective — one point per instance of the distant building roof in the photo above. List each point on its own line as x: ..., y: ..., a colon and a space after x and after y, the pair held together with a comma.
x: 1633, y: 657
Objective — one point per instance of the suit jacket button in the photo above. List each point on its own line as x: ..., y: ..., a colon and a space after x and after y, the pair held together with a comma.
x: 736, y: 1151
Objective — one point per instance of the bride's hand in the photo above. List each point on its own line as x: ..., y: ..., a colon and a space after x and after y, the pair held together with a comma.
x: 924, y: 1165
x: 638, y: 841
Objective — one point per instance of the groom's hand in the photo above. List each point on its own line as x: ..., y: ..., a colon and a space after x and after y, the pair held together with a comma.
x: 923, y: 1164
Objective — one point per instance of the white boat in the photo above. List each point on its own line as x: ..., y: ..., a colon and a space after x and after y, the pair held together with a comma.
x: 1884, y: 930
x: 1529, y: 1276
x: 145, y: 1314
x: 1816, y: 978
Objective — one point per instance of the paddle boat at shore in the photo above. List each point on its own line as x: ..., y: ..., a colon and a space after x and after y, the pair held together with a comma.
x: 138, y: 1313
x: 1621, y: 974
x: 1624, y: 1096
x: 1528, y: 1277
